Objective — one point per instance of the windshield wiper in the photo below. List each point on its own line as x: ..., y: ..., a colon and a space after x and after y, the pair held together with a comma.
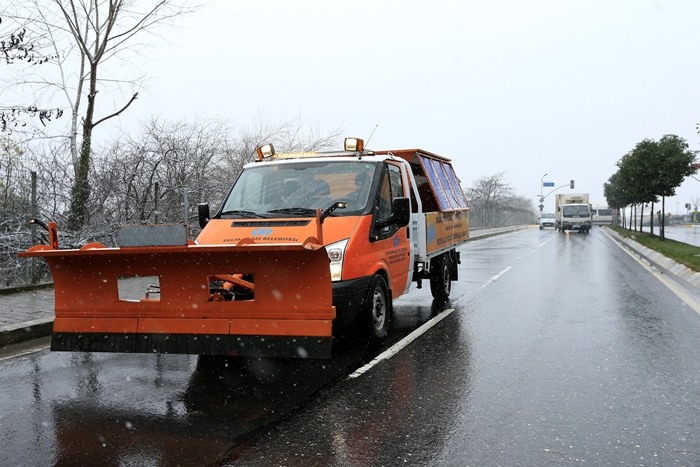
x: 241, y: 213
x: 294, y: 211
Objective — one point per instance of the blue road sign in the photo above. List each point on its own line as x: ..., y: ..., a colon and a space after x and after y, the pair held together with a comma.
x: 548, y: 184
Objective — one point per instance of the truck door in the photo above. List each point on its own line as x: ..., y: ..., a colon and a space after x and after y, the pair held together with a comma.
x: 392, y: 240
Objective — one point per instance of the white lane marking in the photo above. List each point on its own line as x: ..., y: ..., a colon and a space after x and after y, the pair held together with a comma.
x: 495, y: 278
x: 394, y: 349
x: 537, y: 247
x: 674, y: 287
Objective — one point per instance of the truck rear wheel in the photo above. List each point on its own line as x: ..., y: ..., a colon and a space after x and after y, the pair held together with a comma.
x: 377, y: 308
x: 441, y: 277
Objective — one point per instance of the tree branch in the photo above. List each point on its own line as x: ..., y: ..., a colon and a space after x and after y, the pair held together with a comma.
x: 133, y: 98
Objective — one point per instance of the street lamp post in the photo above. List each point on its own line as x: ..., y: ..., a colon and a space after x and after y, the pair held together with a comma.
x: 541, y: 198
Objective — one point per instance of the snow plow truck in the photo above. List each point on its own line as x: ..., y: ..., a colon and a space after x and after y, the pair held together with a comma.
x: 302, y: 242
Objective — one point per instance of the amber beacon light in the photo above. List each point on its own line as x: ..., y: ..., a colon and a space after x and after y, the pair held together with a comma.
x: 354, y: 144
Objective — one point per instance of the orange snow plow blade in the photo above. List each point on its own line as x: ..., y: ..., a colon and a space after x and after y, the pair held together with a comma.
x: 285, y: 308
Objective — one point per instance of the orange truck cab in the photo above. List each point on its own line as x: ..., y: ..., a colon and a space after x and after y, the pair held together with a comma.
x: 302, y: 242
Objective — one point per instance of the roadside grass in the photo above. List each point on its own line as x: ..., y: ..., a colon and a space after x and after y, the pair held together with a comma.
x: 683, y: 253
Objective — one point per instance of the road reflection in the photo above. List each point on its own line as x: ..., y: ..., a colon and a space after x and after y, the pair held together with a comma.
x: 379, y: 418
x: 146, y: 419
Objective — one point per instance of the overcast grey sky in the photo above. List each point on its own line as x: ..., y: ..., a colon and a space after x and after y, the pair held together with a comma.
x: 522, y: 87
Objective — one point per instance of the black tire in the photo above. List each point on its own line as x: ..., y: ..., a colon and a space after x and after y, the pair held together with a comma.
x: 376, y: 309
x: 441, y: 277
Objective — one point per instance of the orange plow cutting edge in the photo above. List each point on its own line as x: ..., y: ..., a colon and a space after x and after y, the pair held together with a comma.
x: 286, y: 308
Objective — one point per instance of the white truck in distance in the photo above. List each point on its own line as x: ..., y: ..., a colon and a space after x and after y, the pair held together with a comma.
x: 573, y: 212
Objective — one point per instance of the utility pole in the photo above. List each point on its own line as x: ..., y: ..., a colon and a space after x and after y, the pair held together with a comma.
x: 541, y: 206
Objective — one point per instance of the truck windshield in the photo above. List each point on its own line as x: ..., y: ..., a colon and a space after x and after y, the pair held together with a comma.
x: 299, y: 188
x: 576, y: 211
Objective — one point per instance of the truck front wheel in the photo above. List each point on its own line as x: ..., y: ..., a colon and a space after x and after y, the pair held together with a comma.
x: 377, y: 308
x: 440, y: 277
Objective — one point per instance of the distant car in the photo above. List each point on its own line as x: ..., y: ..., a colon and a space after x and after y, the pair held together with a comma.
x: 546, y: 220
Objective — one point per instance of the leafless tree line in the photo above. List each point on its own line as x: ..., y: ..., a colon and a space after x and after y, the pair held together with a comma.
x: 143, y: 177
x: 494, y: 203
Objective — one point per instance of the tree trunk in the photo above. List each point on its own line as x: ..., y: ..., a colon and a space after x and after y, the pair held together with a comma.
x: 662, y: 232
x: 641, y: 219
x: 651, y: 220
x: 74, y: 117
x: 629, y: 227
x: 81, y: 187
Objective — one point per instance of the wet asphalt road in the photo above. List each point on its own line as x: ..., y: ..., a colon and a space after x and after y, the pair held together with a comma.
x: 561, y: 350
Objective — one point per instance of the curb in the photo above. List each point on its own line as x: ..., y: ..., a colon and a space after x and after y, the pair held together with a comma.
x: 21, y: 332
x: 25, y: 288
x: 685, y: 276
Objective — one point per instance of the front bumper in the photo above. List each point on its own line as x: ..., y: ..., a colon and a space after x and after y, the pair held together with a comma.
x: 203, y: 344
x: 575, y: 226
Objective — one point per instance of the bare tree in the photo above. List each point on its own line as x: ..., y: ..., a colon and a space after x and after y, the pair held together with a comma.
x: 174, y: 157
x: 16, y: 167
x: 287, y: 135
x: 491, y: 196
x: 84, y: 35
x: 489, y: 192
x: 15, y: 47
x: 144, y: 178
x: 520, y: 202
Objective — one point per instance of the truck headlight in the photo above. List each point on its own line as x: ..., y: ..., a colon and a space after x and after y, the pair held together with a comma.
x: 336, y: 254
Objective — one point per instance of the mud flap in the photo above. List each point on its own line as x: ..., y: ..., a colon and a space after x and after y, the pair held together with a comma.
x: 290, y: 313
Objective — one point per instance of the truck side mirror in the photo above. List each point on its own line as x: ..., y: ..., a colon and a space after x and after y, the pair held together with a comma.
x: 401, y: 215
x: 203, y: 212
x: 402, y: 211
